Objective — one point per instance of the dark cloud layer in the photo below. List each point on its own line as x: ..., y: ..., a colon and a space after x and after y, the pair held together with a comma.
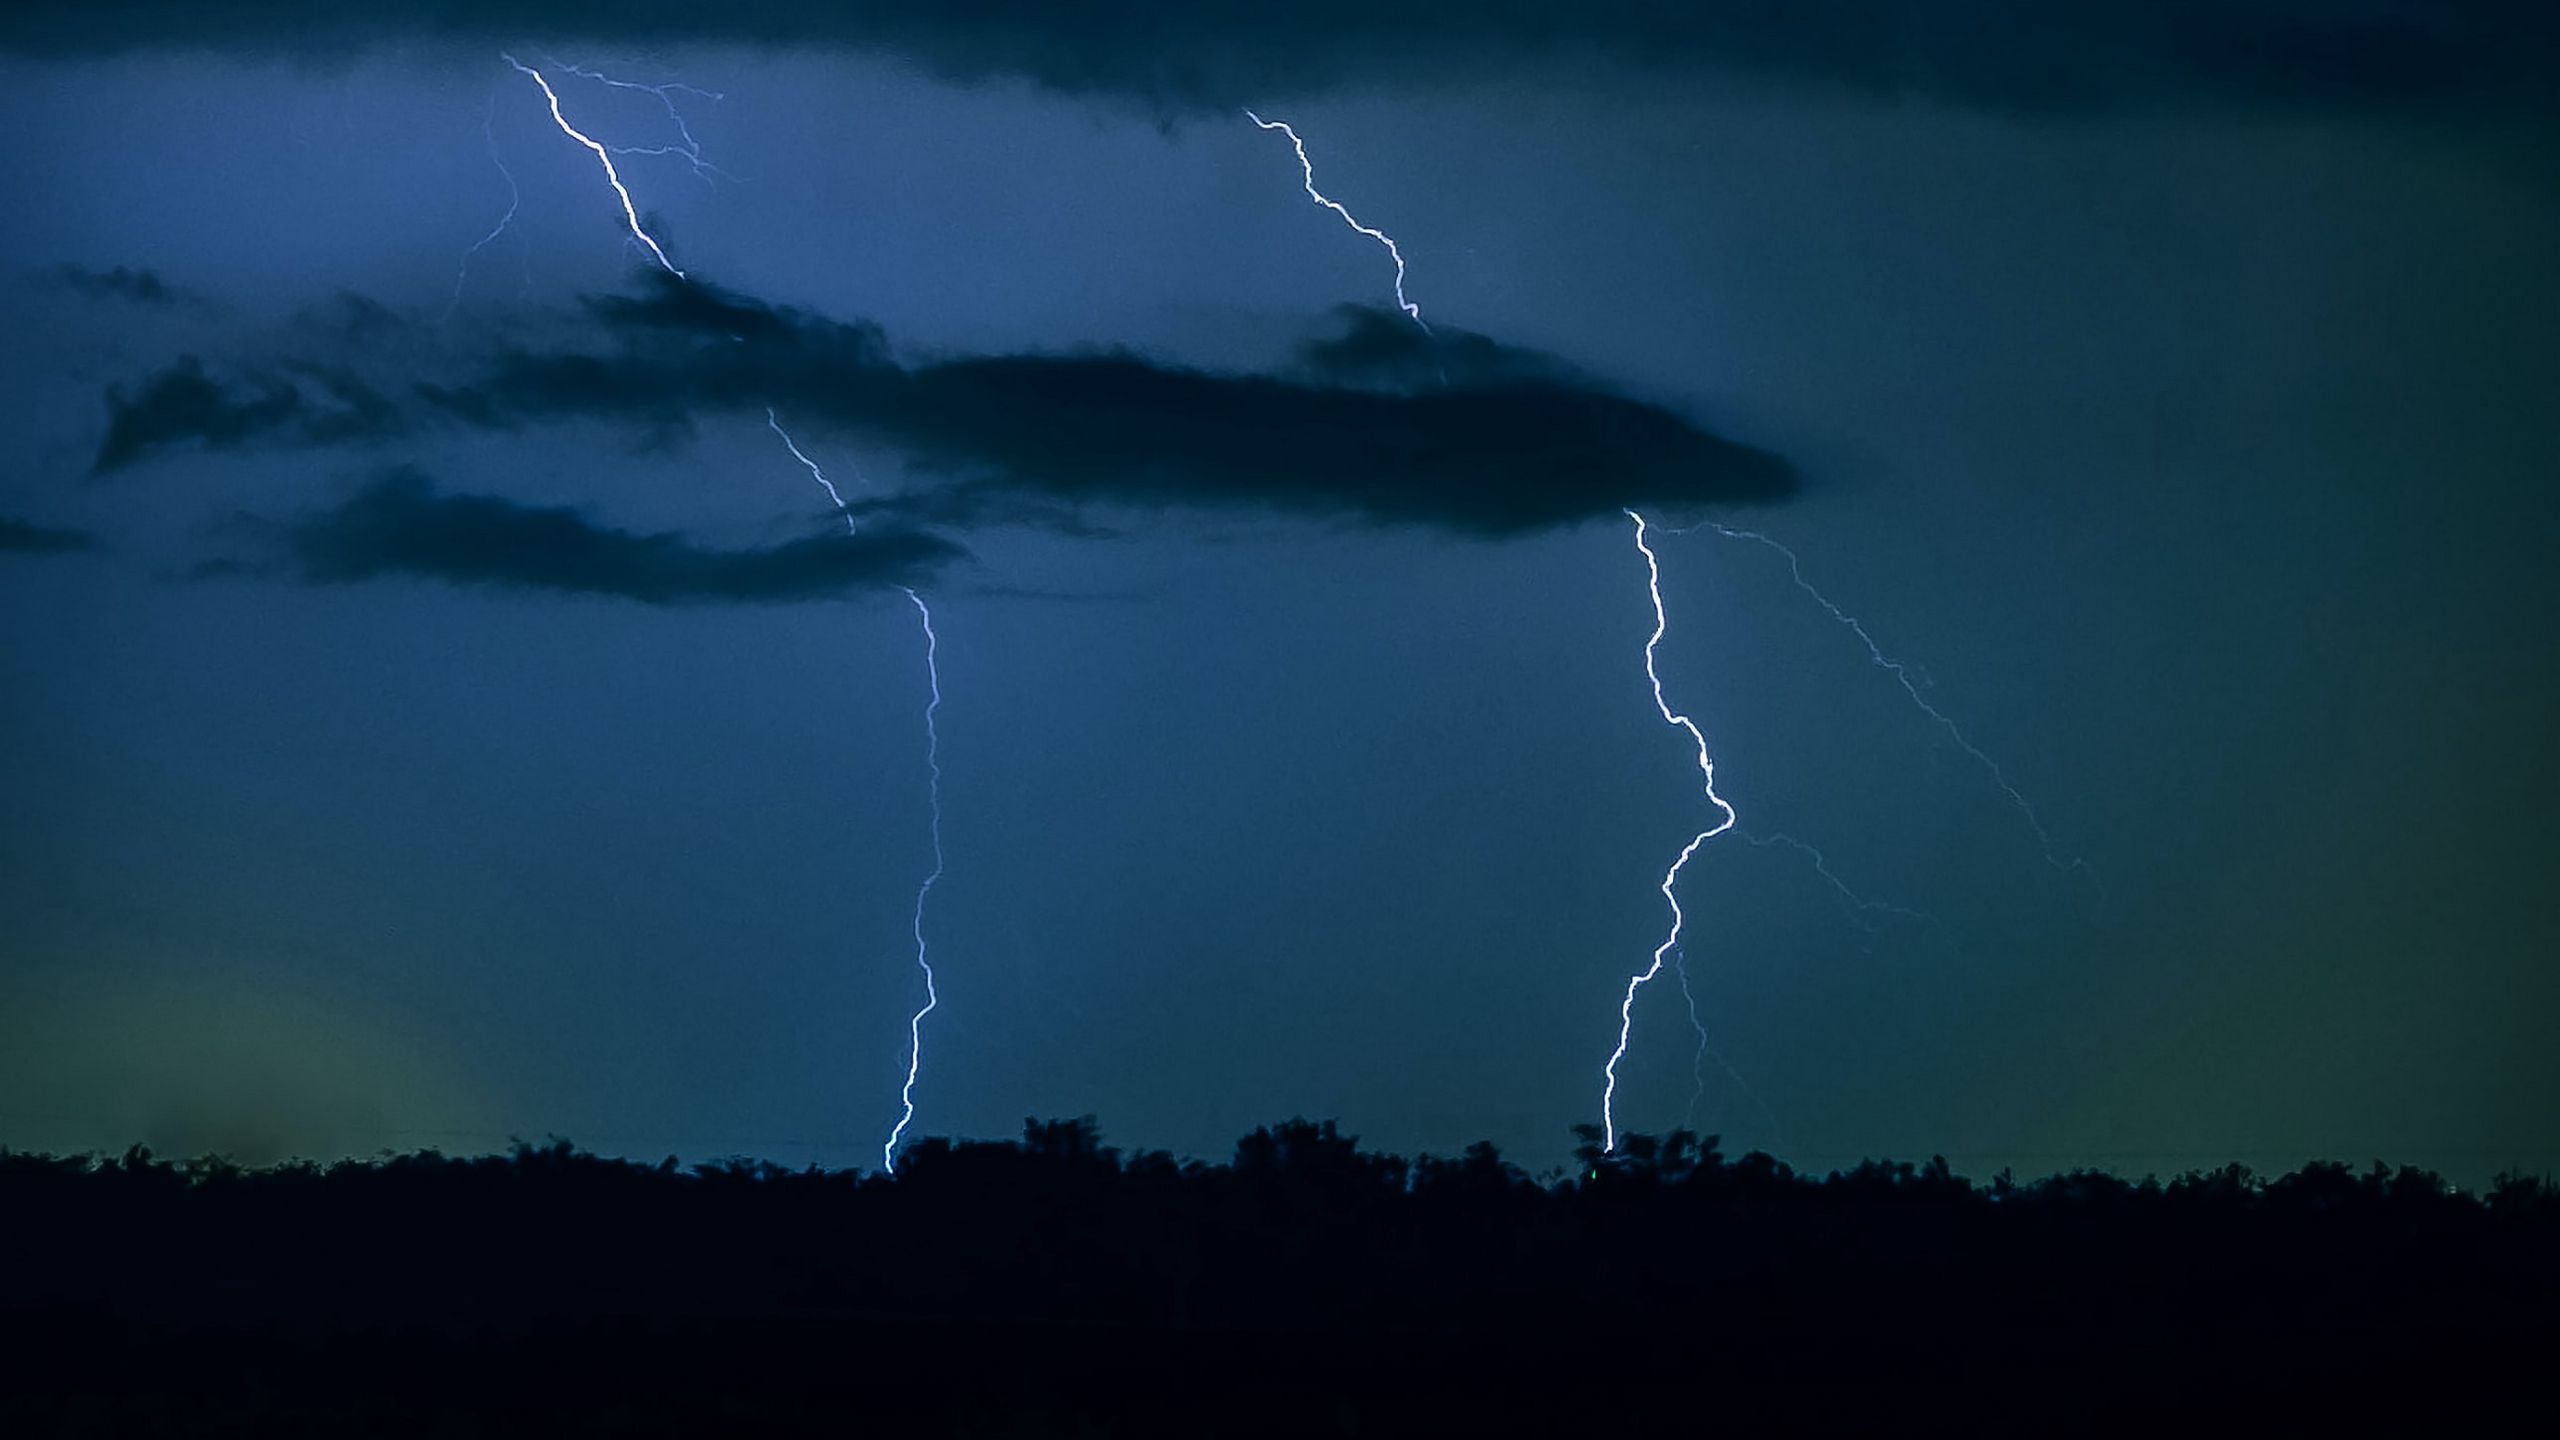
x: 1379, y: 424
x: 2028, y: 54
x: 185, y: 404
x: 20, y: 537
x: 398, y: 525
x: 1117, y: 431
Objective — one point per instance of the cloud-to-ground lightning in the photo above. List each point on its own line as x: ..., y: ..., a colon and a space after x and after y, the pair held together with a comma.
x: 1901, y: 673
x: 1670, y: 877
x: 933, y: 800
x: 1653, y: 569
x: 933, y: 795
x: 924, y: 612
x: 1309, y: 168
x: 604, y: 157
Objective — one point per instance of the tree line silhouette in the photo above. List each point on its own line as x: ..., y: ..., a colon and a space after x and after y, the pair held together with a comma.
x: 1056, y: 1285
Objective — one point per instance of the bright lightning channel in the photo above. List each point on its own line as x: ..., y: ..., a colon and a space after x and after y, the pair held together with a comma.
x: 1706, y: 765
x: 933, y: 782
x: 850, y: 528
x: 1309, y: 167
x: 604, y: 157
x: 1670, y: 877
x: 933, y: 798
x: 924, y: 613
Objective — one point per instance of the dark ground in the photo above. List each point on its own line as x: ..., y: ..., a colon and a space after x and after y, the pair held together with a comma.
x: 1053, y: 1287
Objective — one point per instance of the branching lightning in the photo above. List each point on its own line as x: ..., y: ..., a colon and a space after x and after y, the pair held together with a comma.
x: 604, y: 157
x: 1309, y: 168
x: 515, y: 198
x: 1706, y: 763
x: 1670, y: 877
x: 924, y: 613
x: 687, y: 147
x: 1706, y: 1052
x: 1860, y: 907
x: 1670, y: 948
x: 1901, y: 674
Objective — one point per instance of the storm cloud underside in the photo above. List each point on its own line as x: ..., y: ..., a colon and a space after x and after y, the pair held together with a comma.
x: 1460, y: 434
x: 399, y: 525
x: 2455, y: 55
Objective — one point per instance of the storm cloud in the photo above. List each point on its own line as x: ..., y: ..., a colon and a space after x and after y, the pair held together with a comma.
x: 185, y: 403
x: 2467, y: 55
x: 1379, y: 424
x: 399, y: 525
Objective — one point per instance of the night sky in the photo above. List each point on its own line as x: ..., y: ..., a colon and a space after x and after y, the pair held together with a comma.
x: 435, y: 707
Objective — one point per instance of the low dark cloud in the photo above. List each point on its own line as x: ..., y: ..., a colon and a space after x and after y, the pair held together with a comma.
x: 293, y: 400
x: 20, y: 537
x: 1180, y: 54
x: 1378, y: 423
x: 1118, y: 431
x: 399, y: 525
x: 143, y: 287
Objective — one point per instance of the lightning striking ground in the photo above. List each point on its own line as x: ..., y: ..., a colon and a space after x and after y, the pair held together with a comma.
x: 933, y: 798
x: 933, y: 781
x: 1706, y: 764
x: 1671, y: 946
x: 604, y: 157
x: 924, y: 612
x: 1901, y: 672
x: 1309, y: 167
x: 1670, y: 877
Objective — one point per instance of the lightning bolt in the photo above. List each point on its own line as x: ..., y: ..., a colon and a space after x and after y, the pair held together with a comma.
x: 1670, y: 877
x: 687, y: 147
x: 1309, y: 167
x: 1901, y: 674
x: 515, y: 198
x: 924, y: 612
x: 775, y: 424
x: 933, y: 798
x: 604, y: 157
x: 1706, y: 764
x: 933, y: 791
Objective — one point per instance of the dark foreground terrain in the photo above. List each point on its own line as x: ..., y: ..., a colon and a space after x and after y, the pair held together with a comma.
x: 1054, y: 1287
